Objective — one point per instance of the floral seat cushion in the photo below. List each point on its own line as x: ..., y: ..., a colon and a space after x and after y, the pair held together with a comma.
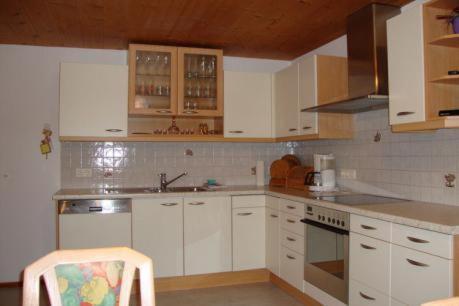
x: 90, y: 284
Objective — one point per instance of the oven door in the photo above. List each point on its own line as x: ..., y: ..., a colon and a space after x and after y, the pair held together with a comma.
x: 327, y: 259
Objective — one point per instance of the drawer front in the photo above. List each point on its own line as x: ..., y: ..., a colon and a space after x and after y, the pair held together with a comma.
x: 423, y: 240
x: 292, y: 223
x: 292, y: 241
x: 369, y: 262
x: 371, y: 227
x: 292, y: 267
x: 272, y: 202
x: 291, y: 207
x: 418, y: 277
x: 361, y: 295
x: 248, y: 201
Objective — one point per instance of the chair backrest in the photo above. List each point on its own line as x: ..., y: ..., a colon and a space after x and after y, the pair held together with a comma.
x: 446, y: 302
x: 93, y: 276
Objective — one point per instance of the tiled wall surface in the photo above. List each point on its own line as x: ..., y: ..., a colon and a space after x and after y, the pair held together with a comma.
x: 410, y: 165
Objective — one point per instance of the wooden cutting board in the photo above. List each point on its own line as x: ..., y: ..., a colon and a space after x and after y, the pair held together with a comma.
x: 280, y: 168
x: 296, y: 176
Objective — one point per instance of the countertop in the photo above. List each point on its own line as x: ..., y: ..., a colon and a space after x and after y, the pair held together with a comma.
x: 430, y: 216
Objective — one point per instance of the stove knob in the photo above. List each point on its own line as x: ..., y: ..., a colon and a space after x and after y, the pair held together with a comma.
x: 333, y: 221
x: 329, y: 220
x: 318, y: 217
x: 342, y: 223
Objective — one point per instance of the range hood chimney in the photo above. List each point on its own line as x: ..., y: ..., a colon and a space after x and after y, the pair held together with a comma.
x: 367, y: 62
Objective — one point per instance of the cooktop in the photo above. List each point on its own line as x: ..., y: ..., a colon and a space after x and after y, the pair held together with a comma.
x: 359, y: 199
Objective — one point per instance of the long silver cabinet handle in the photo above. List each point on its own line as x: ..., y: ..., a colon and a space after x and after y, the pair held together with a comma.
x: 244, y: 214
x: 367, y: 227
x: 114, y: 130
x: 290, y: 239
x: 290, y: 221
x: 292, y: 130
x: 416, y: 263
x: 366, y: 297
x: 196, y: 203
x: 291, y: 207
x: 417, y: 240
x: 274, y: 216
x: 290, y: 257
x: 367, y: 247
x: 404, y: 113
x: 307, y: 127
x: 169, y: 204
x: 236, y: 132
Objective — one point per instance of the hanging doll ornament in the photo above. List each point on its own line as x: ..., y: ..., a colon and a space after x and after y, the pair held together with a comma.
x: 45, y: 145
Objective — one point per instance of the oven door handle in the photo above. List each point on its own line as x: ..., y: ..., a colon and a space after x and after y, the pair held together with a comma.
x: 325, y: 226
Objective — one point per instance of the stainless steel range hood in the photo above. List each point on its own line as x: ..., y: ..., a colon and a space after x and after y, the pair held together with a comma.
x: 367, y: 62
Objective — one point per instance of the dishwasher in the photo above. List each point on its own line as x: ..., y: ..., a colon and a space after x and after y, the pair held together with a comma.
x: 94, y: 223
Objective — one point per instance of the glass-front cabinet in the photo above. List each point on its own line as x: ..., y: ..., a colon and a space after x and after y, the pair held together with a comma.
x: 152, y: 80
x: 200, y: 82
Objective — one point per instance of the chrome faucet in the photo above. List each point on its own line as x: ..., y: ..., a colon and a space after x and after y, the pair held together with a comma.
x: 163, y: 180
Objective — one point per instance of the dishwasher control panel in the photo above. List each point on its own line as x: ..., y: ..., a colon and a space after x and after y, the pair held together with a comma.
x: 102, y: 206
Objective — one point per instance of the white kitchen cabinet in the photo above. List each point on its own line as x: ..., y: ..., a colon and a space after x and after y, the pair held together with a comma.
x: 286, y: 113
x: 249, y: 238
x: 207, y: 235
x: 307, y: 95
x: 417, y: 277
x: 405, y: 52
x: 272, y: 240
x: 292, y: 267
x: 248, y: 104
x: 362, y: 295
x: 93, y: 100
x: 157, y: 231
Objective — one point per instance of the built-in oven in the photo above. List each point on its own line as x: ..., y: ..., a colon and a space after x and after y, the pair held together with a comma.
x: 327, y: 250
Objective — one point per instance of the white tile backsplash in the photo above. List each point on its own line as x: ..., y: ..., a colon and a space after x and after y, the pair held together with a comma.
x: 409, y: 165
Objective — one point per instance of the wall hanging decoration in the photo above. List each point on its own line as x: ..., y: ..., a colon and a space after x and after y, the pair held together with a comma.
x: 46, y: 145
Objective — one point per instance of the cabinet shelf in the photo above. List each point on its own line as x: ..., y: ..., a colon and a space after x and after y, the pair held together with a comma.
x: 153, y: 75
x: 451, y: 40
x: 447, y: 79
x: 199, y: 77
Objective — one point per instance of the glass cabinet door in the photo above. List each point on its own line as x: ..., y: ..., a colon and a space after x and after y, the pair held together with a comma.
x: 200, y: 83
x: 152, y: 80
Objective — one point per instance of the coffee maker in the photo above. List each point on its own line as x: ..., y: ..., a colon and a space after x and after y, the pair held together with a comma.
x: 323, y: 178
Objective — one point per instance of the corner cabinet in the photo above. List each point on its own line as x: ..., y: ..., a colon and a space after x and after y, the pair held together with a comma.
x: 308, y: 83
x: 93, y: 100
x: 248, y: 103
x: 421, y: 51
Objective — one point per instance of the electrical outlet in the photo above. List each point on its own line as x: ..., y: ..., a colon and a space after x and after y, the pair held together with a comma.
x: 348, y: 174
x: 83, y: 172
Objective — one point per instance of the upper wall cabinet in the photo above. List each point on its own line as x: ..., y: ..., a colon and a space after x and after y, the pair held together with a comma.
x: 306, y: 84
x: 200, y: 82
x: 152, y: 80
x: 93, y: 100
x: 248, y: 105
x: 421, y: 51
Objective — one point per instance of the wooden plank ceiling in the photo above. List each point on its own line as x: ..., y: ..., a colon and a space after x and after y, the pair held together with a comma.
x: 277, y: 29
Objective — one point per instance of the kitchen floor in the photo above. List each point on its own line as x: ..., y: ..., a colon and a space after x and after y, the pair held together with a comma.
x: 262, y: 294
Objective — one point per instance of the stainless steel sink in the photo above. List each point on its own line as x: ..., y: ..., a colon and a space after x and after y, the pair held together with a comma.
x: 154, y: 190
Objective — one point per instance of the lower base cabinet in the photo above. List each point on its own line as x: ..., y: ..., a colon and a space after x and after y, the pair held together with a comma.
x: 292, y: 267
x: 249, y: 238
x: 207, y: 235
x: 272, y: 240
x: 361, y: 295
x: 157, y: 231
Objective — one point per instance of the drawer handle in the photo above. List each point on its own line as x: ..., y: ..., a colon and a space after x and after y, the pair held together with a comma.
x: 274, y: 216
x: 367, y: 247
x: 404, y: 113
x: 290, y: 257
x: 236, y: 132
x: 114, y: 130
x: 290, y: 221
x: 310, y: 213
x: 307, y: 127
x: 291, y: 207
x: 290, y: 239
x: 244, y: 214
x: 416, y: 263
x: 164, y: 111
x: 416, y: 240
x: 366, y: 297
x: 367, y: 227
x: 196, y: 203
x: 169, y: 204
x: 292, y: 130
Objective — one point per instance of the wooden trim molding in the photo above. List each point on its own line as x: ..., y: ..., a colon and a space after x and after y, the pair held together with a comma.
x: 292, y: 291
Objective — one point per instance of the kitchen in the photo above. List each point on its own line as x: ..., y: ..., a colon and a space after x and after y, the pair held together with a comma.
x: 400, y: 165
